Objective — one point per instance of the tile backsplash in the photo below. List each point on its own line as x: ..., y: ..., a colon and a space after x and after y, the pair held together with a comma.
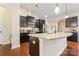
x: 70, y: 29
x: 28, y: 29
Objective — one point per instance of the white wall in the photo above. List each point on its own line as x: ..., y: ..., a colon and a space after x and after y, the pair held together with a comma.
x: 53, y: 22
x: 14, y: 9
x: 24, y: 11
x: 15, y: 26
x: 61, y: 25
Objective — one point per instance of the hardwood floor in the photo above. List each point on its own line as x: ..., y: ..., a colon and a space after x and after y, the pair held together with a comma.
x: 71, y: 50
x: 22, y: 51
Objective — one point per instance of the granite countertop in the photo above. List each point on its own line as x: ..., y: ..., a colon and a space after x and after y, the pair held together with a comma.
x: 51, y: 36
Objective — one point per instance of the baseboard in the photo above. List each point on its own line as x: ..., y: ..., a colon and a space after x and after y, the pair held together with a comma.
x: 60, y: 52
x: 3, y: 43
x: 16, y: 46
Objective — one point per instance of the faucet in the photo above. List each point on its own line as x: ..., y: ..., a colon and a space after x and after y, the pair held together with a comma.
x: 52, y: 27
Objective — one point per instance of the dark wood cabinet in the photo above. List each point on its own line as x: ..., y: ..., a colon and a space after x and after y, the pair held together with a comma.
x: 29, y: 21
x: 24, y: 37
x: 34, y: 46
x: 42, y: 21
x: 23, y: 21
x: 29, y: 18
x: 71, y: 22
x: 39, y: 24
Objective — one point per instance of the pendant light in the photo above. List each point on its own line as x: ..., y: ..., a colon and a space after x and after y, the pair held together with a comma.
x: 66, y: 15
x: 57, y: 9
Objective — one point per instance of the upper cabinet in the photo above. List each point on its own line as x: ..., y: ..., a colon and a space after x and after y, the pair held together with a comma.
x: 23, y: 21
x: 27, y: 21
x: 71, y: 22
x: 31, y: 21
x: 39, y: 24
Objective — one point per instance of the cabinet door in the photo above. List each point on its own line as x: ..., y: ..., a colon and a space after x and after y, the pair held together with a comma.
x: 41, y: 25
x: 72, y: 22
x: 37, y: 24
x: 42, y: 21
x: 34, y: 46
x: 24, y: 37
x: 30, y: 18
x: 23, y: 21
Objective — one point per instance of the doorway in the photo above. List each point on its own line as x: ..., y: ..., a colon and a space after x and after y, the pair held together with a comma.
x: 61, y: 25
x: 5, y: 30
x: 1, y: 29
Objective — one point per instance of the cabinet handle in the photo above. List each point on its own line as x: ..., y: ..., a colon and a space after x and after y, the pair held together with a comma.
x: 33, y: 42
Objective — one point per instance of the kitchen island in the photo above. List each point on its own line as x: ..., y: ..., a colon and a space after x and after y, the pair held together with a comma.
x: 52, y: 44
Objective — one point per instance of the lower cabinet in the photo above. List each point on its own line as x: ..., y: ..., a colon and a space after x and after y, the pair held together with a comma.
x: 24, y: 37
x: 34, y: 46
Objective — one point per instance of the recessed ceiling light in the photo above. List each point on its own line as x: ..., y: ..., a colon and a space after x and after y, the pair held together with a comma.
x: 66, y: 16
x: 45, y: 15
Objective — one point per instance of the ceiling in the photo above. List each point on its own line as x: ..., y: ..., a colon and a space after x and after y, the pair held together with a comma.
x: 48, y: 9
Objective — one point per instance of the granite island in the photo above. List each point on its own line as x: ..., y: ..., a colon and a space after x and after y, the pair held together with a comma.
x: 50, y: 44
